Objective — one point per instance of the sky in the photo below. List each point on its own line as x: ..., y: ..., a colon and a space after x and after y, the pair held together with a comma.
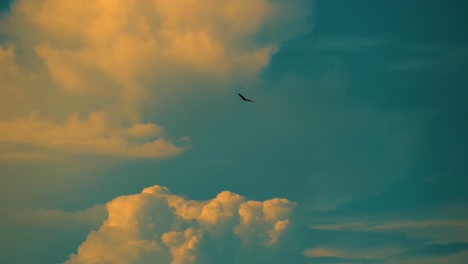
x: 123, y: 140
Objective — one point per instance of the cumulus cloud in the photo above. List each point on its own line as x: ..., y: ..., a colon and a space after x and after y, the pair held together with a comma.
x: 63, y: 57
x: 158, y: 226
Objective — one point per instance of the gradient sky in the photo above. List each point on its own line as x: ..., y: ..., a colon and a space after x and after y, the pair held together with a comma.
x: 358, y: 123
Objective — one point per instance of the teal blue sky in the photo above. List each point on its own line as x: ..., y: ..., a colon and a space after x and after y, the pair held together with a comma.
x: 361, y: 121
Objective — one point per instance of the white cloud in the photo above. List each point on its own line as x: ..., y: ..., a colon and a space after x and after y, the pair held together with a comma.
x: 103, y: 56
x: 158, y: 226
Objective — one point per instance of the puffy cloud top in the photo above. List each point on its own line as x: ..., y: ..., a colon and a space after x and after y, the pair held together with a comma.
x: 157, y: 226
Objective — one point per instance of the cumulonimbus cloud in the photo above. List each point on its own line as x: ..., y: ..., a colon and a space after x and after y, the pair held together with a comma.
x: 61, y: 57
x: 157, y: 226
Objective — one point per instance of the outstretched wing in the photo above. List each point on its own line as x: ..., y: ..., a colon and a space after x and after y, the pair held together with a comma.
x: 241, y: 96
x: 245, y: 99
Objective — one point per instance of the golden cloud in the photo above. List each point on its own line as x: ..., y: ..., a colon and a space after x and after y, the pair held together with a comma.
x: 158, y: 226
x: 90, y: 136
x: 89, y: 57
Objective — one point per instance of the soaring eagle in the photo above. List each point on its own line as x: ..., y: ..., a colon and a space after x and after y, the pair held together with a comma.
x: 245, y: 99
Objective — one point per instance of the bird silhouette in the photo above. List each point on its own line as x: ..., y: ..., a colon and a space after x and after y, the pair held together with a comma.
x: 245, y: 99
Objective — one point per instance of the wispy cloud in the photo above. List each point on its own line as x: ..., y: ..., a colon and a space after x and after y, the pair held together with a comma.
x: 56, y: 220
x: 417, y: 224
x: 347, y: 43
x: 369, y: 254
x: 457, y: 258
x: 441, y: 231
x: 417, y: 239
x: 419, y: 57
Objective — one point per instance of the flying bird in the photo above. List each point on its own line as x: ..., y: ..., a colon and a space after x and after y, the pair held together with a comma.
x: 245, y: 99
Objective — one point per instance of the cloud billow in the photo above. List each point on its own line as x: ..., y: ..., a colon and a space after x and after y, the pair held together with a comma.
x: 158, y: 226
x: 92, y: 57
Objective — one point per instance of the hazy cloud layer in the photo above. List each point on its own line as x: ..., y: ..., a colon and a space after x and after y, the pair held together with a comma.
x: 158, y: 226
